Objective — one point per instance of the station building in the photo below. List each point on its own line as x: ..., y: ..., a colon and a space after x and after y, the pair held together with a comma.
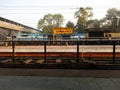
x: 102, y: 33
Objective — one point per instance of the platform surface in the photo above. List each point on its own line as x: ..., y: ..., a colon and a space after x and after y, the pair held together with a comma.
x: 62, y: 48
x: 58, y: 83
x: 59, y: 79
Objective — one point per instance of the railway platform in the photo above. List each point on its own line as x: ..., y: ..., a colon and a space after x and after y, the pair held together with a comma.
x: 59, y: 79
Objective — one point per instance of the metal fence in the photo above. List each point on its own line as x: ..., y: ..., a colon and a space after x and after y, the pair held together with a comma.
x: 54, y: 47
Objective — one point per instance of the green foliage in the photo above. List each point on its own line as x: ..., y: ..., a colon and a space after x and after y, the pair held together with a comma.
x: 49, y: 22
x: 79, y: 28
x: 111, y: 19
x: 47, y: 29
x: 83, y: 15
x: 93, y: 23
x: 70, y: 24
x: 84, y: 20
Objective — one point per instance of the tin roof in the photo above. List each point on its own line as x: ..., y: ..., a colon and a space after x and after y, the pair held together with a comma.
x: 103, y: 29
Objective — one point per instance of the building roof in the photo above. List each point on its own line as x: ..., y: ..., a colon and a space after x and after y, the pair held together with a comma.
x: 103, y: 30
x: 16, y: 23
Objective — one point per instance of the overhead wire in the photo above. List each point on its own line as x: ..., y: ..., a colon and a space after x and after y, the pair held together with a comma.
x: 43, y: 9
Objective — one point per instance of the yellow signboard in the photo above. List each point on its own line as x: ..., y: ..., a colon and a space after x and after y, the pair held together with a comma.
x: 62, y: 31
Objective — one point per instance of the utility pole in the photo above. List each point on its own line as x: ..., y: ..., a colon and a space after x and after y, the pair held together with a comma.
x: 118, y: 19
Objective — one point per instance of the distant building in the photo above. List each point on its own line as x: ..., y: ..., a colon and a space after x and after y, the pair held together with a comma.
x: 10, y: 28
x: 100, y: 33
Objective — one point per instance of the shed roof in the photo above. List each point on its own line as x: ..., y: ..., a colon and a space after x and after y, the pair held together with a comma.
x: 103, y: 29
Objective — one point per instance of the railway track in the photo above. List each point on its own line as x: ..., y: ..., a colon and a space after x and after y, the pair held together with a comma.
x: 59, y: 54
x: 59, y: 57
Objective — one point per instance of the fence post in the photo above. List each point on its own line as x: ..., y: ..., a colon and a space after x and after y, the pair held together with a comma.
x: 45, y: 51
x: 114, y: 44
x: 77, y: 51
x: 13, y: 50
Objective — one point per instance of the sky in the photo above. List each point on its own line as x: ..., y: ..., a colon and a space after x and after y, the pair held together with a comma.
x: 28, y: 12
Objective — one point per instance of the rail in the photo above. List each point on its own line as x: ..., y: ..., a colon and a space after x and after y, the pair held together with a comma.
x: 78, y: 43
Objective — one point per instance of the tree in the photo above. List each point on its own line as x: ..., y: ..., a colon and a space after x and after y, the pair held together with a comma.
x: 79, y: 28
x: 49, y: 22
x: 70, y: 24
x: 58, y: 20
x: 83, y: 15
x: 111, y: 19
x: 93, y: 23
